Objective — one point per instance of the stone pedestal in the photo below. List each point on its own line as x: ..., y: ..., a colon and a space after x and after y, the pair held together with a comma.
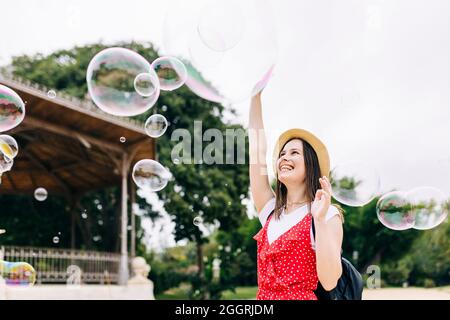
x: 140, y: 282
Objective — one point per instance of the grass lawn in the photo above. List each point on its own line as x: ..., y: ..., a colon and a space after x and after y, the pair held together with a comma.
x: 181, y: 293
x: 242, y: 293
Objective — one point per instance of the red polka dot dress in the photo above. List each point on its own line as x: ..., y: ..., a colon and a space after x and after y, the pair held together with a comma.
x: 287, y: 266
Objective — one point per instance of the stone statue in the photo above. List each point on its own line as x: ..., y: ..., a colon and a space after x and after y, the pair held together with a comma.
x: 139, y: 286
x: 141, y: 270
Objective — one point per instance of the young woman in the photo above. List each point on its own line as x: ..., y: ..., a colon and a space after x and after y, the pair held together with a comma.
x: 290, y: 261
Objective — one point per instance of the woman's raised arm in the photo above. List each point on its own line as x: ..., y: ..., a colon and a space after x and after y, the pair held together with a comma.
x: 259, y: 181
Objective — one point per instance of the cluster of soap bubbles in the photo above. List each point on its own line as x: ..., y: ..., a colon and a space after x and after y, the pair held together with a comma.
x: 12, y: 113
x: 17, y: 273
x: 123, y: 83
x: 222, y: 50
x: 357, y: 184
x: 421, y: 208
x: 111, y: 78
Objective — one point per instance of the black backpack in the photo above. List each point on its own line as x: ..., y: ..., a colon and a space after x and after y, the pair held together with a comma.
x: 349, y: 286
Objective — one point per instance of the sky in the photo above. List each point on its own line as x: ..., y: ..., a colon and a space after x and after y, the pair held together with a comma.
x: 369, y: 77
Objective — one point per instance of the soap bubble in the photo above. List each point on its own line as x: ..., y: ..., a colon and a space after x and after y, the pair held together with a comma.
x: 17, y: 273
x: 171, y: 72
x: 429, y: 205
x: 394, y: 211
x: 354, y: 183
x: 201, y: 56
x: 55, y: 240
x: 156, y: 125
x: 51, y: 94
x: 8, y: 146
x: 225, y: 57
x: 5, y: 163
x: 197, y: 221
x: 12, y: 109
x: 221, y: 24
x: 40, y: 194
x: 150, y: 175
x: 111, y: 76
x: 146, y: 83
x: 123, y: 139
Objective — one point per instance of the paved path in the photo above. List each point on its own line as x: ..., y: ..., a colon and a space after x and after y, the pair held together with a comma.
x: 406, y: 294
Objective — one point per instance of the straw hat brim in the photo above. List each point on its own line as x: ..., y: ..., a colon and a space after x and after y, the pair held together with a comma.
x: 318, y: 146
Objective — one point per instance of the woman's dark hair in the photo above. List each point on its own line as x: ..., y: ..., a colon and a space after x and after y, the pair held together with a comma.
x: 312, y: 167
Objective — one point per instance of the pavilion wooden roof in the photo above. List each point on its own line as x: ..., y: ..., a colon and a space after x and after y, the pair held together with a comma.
x: 69, y: 146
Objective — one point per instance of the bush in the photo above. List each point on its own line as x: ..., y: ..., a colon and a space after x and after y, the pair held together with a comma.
x: 164, y: 279
x: 396, y: 273
x: 429, y: 283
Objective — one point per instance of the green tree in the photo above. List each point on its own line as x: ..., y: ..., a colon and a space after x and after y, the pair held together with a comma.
x: 430, y: 256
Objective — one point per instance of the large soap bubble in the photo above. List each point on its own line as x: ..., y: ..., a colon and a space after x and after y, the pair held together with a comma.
x: 12, y: 109
x: 221, y: 24
x: 171, y: 72
x: 111, y: 76
x: 429, y: 205
x: 156, y: 125
x: 232, y: 53
x: 8, y: 146
x: 17, y: 273
x: 394, y: 211
x: 150, y: 175
x: 354, y: 183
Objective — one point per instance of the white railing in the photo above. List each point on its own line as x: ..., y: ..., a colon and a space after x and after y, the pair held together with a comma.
x: 52, y: 265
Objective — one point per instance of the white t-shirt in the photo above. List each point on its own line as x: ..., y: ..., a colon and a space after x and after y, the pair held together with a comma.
x: 279, y: 226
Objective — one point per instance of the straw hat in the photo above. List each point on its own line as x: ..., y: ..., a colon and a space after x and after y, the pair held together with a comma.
x: 316, y: 144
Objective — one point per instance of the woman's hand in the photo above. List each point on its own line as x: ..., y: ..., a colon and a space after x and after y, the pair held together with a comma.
x: 322, y: 200
x: 259, y: 87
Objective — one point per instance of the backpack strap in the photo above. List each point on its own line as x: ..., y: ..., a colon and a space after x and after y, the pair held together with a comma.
x: 313, y: 229
x: 313, y: 238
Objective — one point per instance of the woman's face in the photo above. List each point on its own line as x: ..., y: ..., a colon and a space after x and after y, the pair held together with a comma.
x: 291, y: 164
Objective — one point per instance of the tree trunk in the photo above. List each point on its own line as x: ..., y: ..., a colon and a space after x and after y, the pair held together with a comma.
x: 375, y: 260
x: 200, y: 264
x: 201, y: 274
